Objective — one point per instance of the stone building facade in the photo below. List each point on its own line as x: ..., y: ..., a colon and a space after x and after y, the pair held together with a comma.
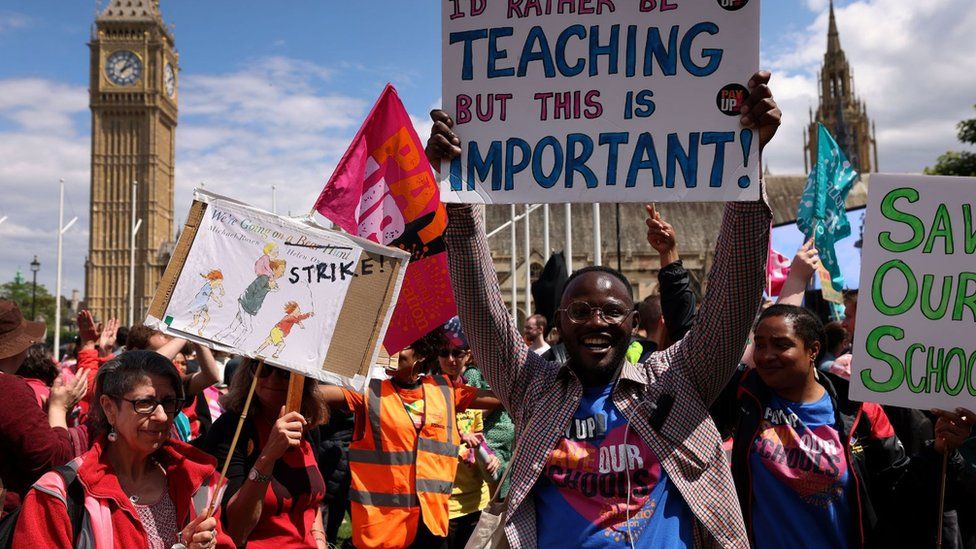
x: 840, y: 110
x: 133, y: 99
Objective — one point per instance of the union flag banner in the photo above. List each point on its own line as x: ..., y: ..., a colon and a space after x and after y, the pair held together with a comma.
x: 384, y: 190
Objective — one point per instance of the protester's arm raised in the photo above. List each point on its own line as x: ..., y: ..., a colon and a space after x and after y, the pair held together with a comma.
x: 801, y: 271
x: 491, y: 331
x: 677, y: 299
x: 172, y: 347
x: 208, y: 374
x: 710, y: 352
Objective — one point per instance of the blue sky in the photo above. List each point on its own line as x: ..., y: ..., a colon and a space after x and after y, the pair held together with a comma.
x: 271, y: 93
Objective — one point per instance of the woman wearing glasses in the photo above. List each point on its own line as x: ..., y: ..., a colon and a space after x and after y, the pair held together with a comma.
x: 470, y: 493
x: 274, y: 487
x: 141, y: 487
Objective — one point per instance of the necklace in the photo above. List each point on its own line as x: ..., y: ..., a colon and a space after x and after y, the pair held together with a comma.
x: 135, y: 498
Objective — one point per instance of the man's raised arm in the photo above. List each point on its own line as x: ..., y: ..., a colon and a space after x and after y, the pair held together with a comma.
x: 490, y: 329
x: 710, y: 352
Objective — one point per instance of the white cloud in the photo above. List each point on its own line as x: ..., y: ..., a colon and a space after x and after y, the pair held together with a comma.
x: 912, y: 66
x: 277, y: 121
x: 46, y: 139
x: 274, y: 122
x: 10, y: 21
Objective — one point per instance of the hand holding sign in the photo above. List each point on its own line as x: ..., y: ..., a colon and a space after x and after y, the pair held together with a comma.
x: 285, y: 434
x: 760, y: 110
x: 953, y: 428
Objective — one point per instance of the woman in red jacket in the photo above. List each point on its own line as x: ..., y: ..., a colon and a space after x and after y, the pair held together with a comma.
x: 141, y: 487
x: 274, y: 487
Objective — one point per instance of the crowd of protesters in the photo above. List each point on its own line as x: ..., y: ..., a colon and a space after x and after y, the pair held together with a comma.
x: 609, y: 423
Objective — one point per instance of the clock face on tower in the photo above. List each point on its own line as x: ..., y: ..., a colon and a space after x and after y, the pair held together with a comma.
x: 123, y: 68
x: 169, y: 80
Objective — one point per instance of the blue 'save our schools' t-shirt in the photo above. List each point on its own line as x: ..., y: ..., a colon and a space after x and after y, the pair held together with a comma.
x: 801, y: 486
x: 581, y: 498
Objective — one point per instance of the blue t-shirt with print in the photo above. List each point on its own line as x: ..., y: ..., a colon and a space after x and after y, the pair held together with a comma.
x: 581, y: 498
x: 801, y: 484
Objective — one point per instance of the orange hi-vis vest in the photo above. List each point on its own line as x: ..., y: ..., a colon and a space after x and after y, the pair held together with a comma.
x: 399, y: 474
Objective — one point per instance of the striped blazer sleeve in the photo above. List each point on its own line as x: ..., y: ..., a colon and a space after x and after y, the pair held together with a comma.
x: 495, y: 341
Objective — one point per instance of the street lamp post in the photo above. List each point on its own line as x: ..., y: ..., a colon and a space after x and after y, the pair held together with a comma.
x: 62, y: 228
x: 136, y: 224
x: 35, y: 266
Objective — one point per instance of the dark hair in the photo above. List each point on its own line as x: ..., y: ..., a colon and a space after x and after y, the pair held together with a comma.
x: 650, y: 312
x: 313, y: 405
x: 138, y: 337
x: 805, y: 324
x: 38, y: 365
x: 850, y: 297
x: 428, y: 347
x: 122, y: 336
x: 835, y: 334
x: 598, y: 269
x: 126, y: 371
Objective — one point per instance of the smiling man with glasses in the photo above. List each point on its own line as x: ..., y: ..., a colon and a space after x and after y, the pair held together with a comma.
x: 610, y: 453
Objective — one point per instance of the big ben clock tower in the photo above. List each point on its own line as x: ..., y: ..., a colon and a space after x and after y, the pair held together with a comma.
x: 133, y: 97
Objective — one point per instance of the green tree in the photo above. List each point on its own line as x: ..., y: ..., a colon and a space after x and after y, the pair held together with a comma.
x: 20, y: 291
x: 958, y: 162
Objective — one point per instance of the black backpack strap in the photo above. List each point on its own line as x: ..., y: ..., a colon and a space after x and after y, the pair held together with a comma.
x: 75, y: 500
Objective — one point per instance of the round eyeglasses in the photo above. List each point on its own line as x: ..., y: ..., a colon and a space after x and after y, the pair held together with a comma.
x: 581, y: 311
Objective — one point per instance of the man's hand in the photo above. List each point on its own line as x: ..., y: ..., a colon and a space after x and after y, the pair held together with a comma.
x: 952, y: 429
x: 661, y: 236
x: 760, y: 111
x: 86, y: 329
x: 107, y: 337
x: 443, y: 144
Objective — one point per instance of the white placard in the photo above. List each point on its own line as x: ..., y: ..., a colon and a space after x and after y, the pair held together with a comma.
x: 914, y: 343
x: 599, y: 100
x: 263, y: 286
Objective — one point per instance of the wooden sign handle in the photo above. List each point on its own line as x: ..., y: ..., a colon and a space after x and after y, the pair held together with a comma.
x: 233, y: 444
x: 296, y: 387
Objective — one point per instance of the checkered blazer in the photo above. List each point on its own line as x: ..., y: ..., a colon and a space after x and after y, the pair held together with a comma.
x: 542, y: 396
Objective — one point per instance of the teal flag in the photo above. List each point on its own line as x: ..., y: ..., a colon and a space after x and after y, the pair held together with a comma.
x: 822, y: 213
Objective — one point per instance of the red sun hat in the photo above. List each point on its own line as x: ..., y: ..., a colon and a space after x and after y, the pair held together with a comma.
x: 16, y: 332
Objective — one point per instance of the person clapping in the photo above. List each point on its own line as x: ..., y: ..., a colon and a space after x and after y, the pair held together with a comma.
x: 141, y: 487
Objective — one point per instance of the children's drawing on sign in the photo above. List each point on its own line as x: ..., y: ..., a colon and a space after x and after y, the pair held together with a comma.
x: 293, y: 316
x: 285, y: 284
x: 250, y: 302
x: 263, y: 265
x: 200, y: 306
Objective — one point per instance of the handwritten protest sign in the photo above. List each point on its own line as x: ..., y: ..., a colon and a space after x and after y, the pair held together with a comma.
x: 916, y: 313
x: 599, y: 100
x: 310, y: 300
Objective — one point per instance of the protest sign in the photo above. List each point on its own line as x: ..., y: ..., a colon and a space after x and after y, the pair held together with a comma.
x: 914, y: 344
x: 599, y: 100
x: 293, y: 294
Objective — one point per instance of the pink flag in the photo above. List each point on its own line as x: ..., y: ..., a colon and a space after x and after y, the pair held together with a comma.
x: 777, y: 269
x: 383, y: 189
